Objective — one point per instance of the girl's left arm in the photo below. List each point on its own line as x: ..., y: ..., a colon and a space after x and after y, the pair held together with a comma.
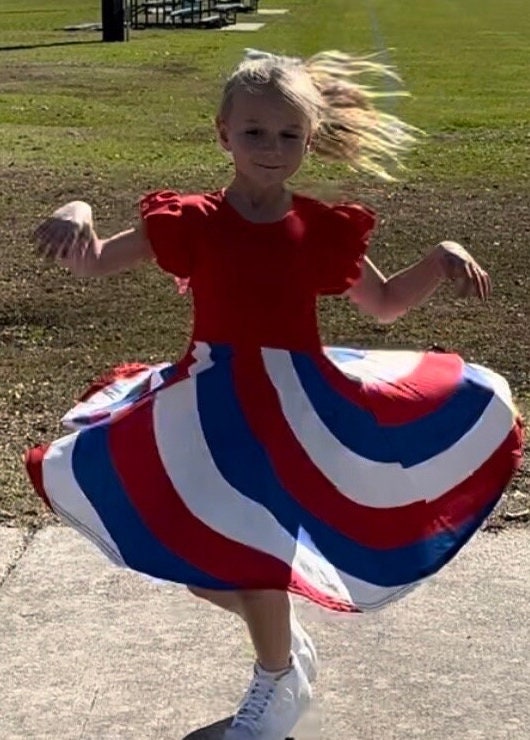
x: 389, y: 298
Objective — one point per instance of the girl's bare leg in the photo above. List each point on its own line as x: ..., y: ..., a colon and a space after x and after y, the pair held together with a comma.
x: 267, y: 614
x: 227, y: 600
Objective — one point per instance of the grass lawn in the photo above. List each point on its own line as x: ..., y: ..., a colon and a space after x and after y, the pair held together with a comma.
x: 106, y: 122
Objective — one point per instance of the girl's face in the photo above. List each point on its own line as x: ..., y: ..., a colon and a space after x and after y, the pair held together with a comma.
x: 266, y: 135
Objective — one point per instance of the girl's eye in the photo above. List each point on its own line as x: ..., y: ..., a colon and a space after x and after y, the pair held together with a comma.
x: 288, y: 135
x: 252, y: 132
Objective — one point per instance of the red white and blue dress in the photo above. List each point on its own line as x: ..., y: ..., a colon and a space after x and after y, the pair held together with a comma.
x: 262, y: 459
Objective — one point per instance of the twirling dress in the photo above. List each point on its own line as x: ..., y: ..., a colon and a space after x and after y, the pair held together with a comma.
x: 262, y: 459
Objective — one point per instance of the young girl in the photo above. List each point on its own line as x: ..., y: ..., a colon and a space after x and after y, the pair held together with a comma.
x: 262, y: 463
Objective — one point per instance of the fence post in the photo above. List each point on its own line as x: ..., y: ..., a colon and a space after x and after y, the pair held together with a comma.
x: 113, y: 20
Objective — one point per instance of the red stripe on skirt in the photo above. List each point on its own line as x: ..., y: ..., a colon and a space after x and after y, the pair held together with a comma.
x: 166, y: 515
x: 408, y: 398
x: 379, y: 528
x: 33, y: 460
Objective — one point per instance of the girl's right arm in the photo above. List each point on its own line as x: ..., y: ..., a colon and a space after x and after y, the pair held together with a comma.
x: 68, y: 237
x: 389, y: 298
x: 109, y: 256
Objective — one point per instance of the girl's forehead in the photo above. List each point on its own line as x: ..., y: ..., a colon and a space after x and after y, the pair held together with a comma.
x: 266, y: 104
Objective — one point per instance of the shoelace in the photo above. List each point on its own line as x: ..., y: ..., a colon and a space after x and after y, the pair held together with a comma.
x: 255, y: 702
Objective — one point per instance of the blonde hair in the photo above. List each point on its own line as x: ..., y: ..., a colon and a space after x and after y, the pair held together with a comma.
x: 346, y: 124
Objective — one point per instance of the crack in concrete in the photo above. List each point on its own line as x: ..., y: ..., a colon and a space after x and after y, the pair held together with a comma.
x: 27, y: 539
x: 95, y: 694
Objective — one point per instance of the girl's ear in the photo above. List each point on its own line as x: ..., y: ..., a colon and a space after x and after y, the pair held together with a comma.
x: 222, y: 133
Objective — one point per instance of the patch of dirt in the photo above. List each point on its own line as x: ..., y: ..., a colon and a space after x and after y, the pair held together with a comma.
x: 102, y: 83
x: 58, y: 333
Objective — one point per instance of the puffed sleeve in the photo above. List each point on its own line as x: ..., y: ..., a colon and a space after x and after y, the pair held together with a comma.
x: 342, y: 247
x: 168, y: 225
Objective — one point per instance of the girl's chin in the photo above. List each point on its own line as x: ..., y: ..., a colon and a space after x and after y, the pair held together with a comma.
x: 269, y: 174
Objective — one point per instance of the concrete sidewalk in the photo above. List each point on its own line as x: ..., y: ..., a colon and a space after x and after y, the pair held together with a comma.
x: 89, y: 651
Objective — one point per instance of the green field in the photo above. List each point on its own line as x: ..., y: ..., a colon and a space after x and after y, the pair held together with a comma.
x: 105, y: 122
x: 67, y: 97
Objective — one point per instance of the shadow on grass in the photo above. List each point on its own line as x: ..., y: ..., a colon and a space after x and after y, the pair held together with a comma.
x: 23, y: 47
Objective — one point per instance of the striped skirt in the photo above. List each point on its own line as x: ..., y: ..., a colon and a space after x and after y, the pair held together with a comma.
x: 346, y: 476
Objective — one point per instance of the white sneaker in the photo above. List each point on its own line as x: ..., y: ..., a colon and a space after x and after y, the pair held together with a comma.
x: 304, y: 648
x: 272, y: 705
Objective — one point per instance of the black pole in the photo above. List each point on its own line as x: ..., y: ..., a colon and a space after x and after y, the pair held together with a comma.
x: 113, y: 20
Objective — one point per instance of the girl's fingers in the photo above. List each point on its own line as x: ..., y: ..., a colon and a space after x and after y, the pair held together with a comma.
x: 47, y: 246
x: 46, y: 229
x: 85, y: 232
x: 479, y: 287
x: 54, y: 240
x: 478, y: 282
x: 471, y: 278
x: 56, y: 237
x: 39, y: 232
x: 486, y: 284
x: 482, y: 285
x: 43, y: 236
x: 489, y: 284
x: 453, y: 266
x: 481, y: 282
x: 63, y: 250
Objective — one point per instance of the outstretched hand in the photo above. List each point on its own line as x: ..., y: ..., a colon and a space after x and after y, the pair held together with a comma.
x: 464, y: 271
x: 68, y: 232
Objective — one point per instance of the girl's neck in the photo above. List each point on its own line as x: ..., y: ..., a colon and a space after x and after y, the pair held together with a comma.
x: 258, y: 204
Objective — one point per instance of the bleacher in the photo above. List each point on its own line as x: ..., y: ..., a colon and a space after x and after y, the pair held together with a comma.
x: 187, y: 13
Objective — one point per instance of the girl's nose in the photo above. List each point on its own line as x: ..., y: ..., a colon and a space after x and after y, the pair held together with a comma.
x: 270, y: 143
